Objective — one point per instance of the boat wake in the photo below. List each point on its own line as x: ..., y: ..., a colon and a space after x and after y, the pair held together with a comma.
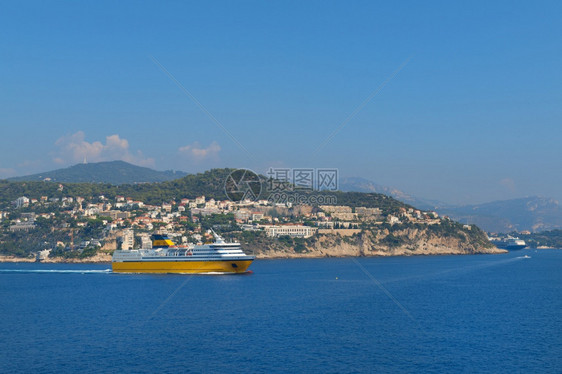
x: 224, y: 273
x: 56, y: 271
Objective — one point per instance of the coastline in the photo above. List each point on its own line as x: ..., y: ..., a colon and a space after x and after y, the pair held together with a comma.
x: 269, y: 255
x: 97, y: 259
x: 272, y: 255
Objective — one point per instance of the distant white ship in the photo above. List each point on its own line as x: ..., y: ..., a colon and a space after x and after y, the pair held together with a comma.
x: 510, y: 243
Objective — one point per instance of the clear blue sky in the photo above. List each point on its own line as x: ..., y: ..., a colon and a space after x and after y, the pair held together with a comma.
x: 475, y: 115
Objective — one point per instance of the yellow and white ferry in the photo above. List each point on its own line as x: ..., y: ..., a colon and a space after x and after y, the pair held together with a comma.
x: 165, y: 257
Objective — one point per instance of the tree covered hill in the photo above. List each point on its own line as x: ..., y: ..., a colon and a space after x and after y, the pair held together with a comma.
x: 552, y: 239
x: 112, y: 172
x: 407, y: 236
x: 210, y: 183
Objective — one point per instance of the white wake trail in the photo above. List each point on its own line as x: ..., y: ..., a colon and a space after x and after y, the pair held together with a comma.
x: 56, y: 271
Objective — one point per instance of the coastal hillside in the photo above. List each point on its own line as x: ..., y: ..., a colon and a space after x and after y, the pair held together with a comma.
x: 386, y: 240
x: 81, y: 221
x: 209, y: 183
x: 112, y: 172
x: 544, y: 239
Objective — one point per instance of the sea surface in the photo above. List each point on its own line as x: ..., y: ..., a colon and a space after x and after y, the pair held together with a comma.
x: 483, y: 313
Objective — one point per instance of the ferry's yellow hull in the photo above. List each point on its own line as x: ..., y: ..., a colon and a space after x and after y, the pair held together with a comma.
x: 191, y: 267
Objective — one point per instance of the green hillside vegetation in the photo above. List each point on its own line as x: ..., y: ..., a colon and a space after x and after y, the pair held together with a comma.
x: 59, y: 228
x: 45, y: 235
x: 551, y: 239
x: 209, y: 183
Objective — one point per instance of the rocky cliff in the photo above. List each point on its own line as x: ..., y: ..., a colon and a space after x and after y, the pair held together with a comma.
x: 448, y: 238
x: 404, y: 242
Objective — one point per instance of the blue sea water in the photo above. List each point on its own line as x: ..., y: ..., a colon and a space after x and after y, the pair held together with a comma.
x: 486, y: 313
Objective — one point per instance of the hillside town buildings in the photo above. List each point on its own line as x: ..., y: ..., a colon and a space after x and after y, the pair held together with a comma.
x: 123, y: 222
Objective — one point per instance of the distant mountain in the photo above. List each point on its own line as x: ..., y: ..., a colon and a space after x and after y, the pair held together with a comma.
x: 113, y: 172
x: 530, y: 213
x: 358, y: 184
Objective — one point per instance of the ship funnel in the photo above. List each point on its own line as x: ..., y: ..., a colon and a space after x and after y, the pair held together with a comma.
x: 161, y: 241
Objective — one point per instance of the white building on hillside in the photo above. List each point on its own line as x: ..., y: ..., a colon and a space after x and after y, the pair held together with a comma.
x: 127, y: 239
x: 298, y: 231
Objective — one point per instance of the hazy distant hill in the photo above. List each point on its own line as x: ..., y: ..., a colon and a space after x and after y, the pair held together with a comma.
x: 113, y: 172
x: 530, y: 213
x: 357, y: 184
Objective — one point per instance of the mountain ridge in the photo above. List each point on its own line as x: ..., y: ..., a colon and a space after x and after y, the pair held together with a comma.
x: 112, y: 172
x: 359, y: 184
x: 531, y: 213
